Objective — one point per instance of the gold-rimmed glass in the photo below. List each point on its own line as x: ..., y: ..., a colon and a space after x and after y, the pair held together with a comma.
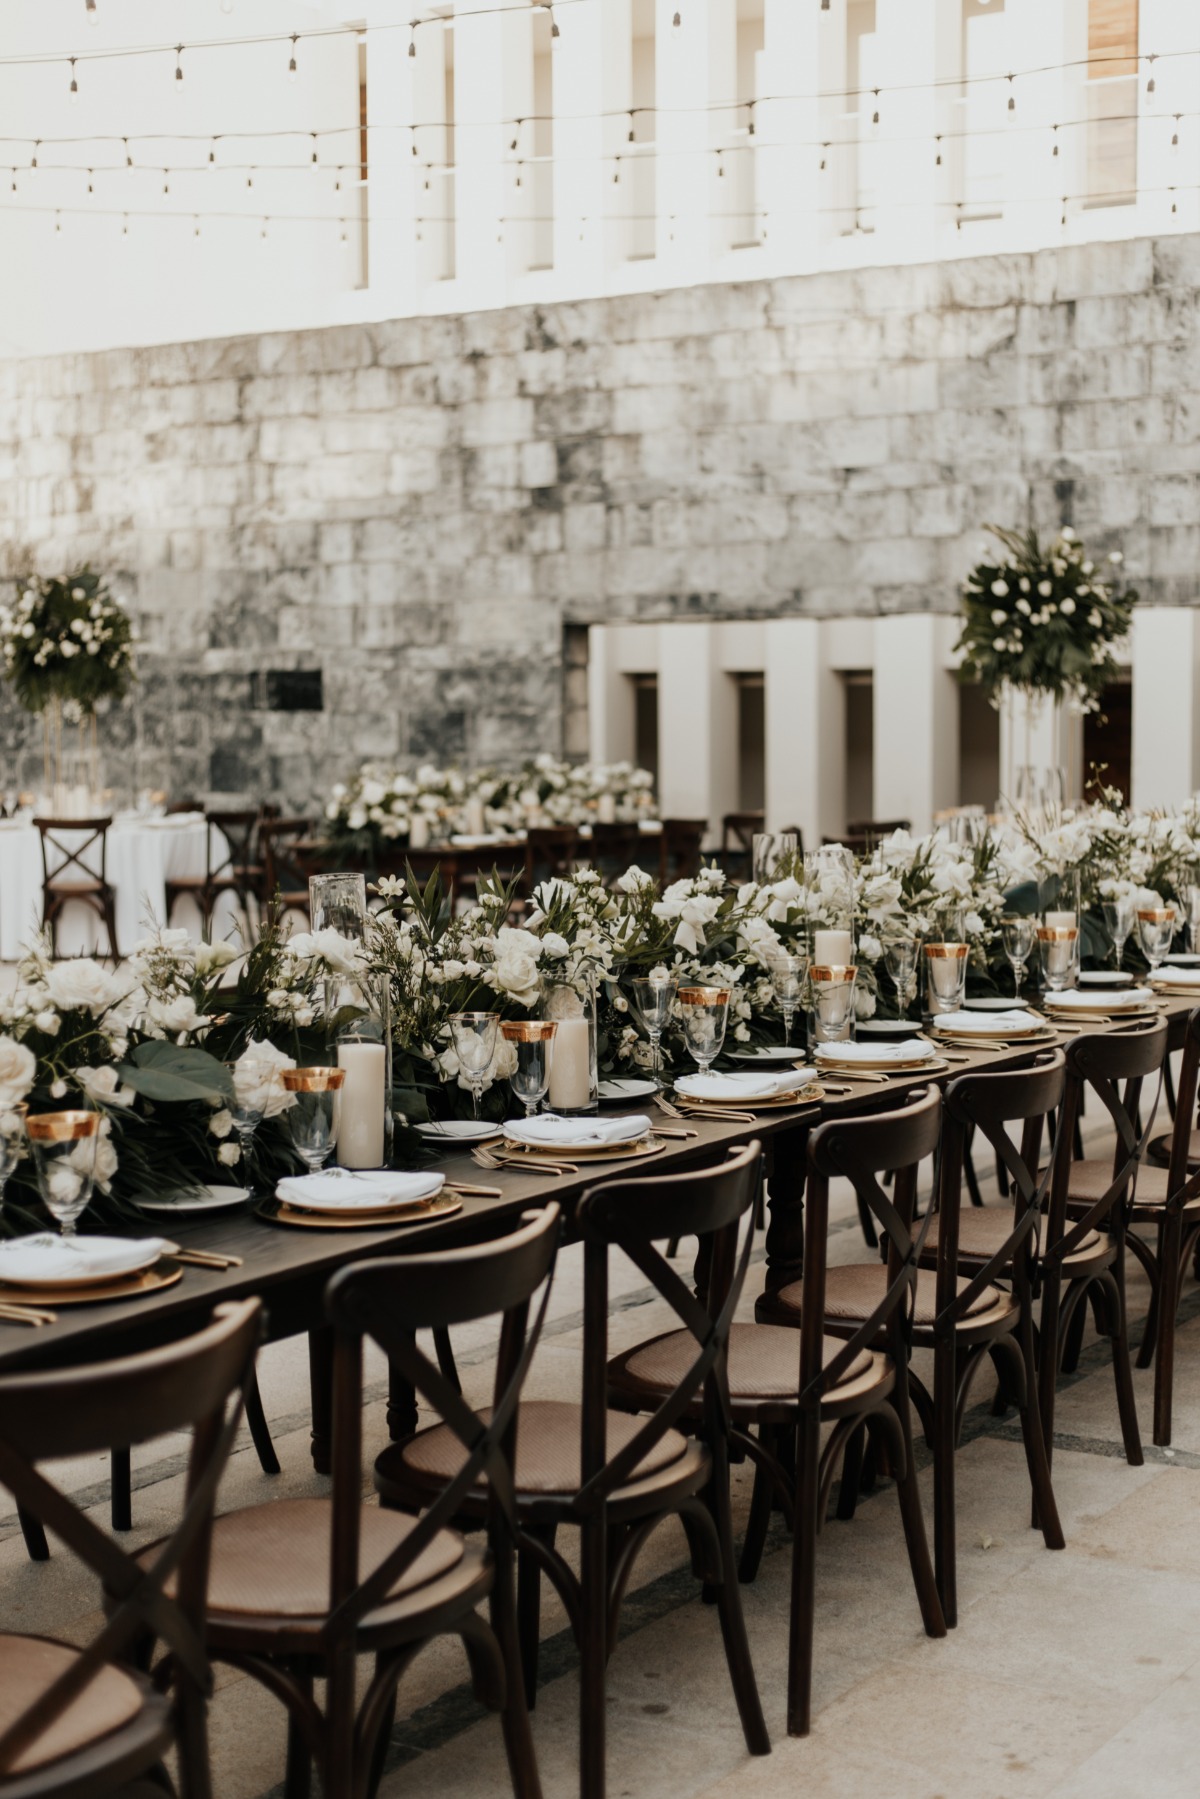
x: 1156, y: 930
x: 315, y: 1112
x: 705, y: 1015
x: 64, y: 1156
x: 1058, y: 947
x: 946, y: 976
x: 474, y: 1035
x: 531, y: 1039
x: 832, y: 1017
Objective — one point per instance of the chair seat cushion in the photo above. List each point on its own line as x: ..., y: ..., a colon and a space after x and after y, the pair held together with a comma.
x: 273, y: 1560
x: 1160, y: 1149
x: 548, y: 1448
x: 28, y: 1665
x: 73, y: 889
x: 854, y: 1289
x: 764, y: 1362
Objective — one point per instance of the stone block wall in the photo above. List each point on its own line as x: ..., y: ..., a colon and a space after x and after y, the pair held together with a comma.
x: 425, y: 510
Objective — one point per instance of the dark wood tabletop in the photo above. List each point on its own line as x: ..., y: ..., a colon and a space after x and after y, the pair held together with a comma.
x: 289, y: 1266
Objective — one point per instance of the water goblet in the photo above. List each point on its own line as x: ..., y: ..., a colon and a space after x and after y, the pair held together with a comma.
x: 900, y: 952
x: 946, y: 976
x: 474, y: 1035
x: 653, y: 998
x: 252, y: 1081
x: 1191, y: 910
x: 1156, y: 929
x: 832, y: 1017
x: 64, y: 1156
x: 1020, y: 935
x: 12, y: 1129
x: 531, y: 1039
x: 705, y: 1013
x: 1120, y: 916
x: 787, y: 979
x: 1058, y: 946
x: 315, y: 1112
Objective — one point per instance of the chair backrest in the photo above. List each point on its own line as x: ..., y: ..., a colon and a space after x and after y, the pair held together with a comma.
x: 74, y: 849
x: 738, y: 830
x: 860, y: 1150
x: 83, y: 1411
x: 388, y: 1300
x: 987, y: 1104
x: 1114, y: 1065
x: 1181, y: 1187
x: 230, y: 843
x: 614, y: 847
x: 286, y: 867
x: 549, y: 852
x: 679, y: 848
x: 632, y: 1215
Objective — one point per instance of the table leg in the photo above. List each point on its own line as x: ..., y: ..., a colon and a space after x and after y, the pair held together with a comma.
x: 786, y: 1159
x: 402, y: 1404
x: 320, y: 1379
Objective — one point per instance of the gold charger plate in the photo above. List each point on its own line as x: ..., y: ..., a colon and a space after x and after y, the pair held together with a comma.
x: 1168, y: 991
x: 1116, y: 1013
x: 164, y: 1273
x: 440, y: 1206
x: 994, y: 1035
x: 780, y: 1102
x: 877, y: 1065
x: 612, y: 1152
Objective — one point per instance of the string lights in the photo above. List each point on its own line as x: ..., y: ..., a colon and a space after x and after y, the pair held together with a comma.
x: 178, y: 64
x: 292, y: 63
x: 74, y: 87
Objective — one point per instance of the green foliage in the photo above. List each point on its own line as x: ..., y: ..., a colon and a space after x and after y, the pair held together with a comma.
x: 66, y: 640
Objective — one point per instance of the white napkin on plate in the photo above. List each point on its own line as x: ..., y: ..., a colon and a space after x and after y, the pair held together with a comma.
x: 48, y: 1258
x: 990, y: 1024
x: 550, y: 1132
x: 357, y: 1191
x: 1179, y: 977
x: 743, y: 1086
x: 909, y: 1051
x: 1120, y: 999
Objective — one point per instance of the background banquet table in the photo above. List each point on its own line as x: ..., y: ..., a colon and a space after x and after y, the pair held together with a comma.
x: 143, y: 855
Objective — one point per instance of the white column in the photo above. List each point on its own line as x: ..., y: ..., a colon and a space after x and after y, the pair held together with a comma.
x: 697, y: 727
x: 392, y: 193
x: 694, y: 66
x: 1167, y: 172
x: 493, y: 80
x: 788, y: 131
x: 423, y: 151
x: 1051, y: 42
x: 1166, y: 705
x: 901, y: 146
x: 915, y: 760
x: 805, y: 703
x: 611, y: 698
x: 591, y: 84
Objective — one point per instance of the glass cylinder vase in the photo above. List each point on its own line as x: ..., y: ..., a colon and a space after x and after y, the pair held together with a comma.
x: 338, y: 902
x: 358, y: 1011
x: 574, y: 1054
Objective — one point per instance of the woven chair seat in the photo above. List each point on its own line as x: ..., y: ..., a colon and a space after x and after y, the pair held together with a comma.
x: 72, y: 888
x: 273, y: 1560
x: 549, y: 1438
x: 1160, y: 1150
x: 854, y: 1289
x: 28, y: 1665
x: 764, y: 1363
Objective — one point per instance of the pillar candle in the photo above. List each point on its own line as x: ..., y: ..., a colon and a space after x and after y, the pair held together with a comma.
x: 606, y: 809
x: 1061, y: 921
x: 361, y: 1123
x: 418, y: 831
x: 832, y: 949
x: 475, y: 823
x: 570, y: 1066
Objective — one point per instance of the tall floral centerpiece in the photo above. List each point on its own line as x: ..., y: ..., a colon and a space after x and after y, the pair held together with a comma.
x: 1041, y: 619
x: 68, y: 650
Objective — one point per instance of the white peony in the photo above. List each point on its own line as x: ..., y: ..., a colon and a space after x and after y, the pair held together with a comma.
x: 81, y: 985
x: 516, y: 967
x: 229, y: 1154
x: 18, y: 1071
x: 256, y: 1082
x: 212, y: 957
x: 104, y: 1086
x: 341, y: 955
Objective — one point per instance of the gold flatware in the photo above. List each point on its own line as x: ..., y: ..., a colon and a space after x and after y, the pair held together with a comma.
x: 466, y: 1187
x: 203, y: 1258
x: 11, y: 1313
x: 486, y: 1158
x: 724, y: 1116
x: 664, y: 1130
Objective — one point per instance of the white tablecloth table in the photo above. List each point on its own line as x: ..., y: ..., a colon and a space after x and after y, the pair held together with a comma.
x: 143, y: 855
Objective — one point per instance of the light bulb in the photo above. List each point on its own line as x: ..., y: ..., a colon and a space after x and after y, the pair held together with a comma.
x: 90, y: 11
x: 677, y: 24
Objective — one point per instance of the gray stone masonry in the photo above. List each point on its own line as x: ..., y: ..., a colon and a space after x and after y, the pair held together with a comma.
x: 419, y: 508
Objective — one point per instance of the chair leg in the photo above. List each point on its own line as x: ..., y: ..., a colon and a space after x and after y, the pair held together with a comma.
x: 121, y: 1500
x: 757, y: 1523
x: 945, y: 1535
x: 256, y: 1420
x: 1045, y: 1506
x: 529, y: 1610
x: 514, y: 1720
x: 445, y: 1356
x: 1170, y: 1256
x: 870, y: 1236
x: 729, y: 1608
x: 35, y: 1537
x: 804, y: 1561
x: 673, y: 1249
x: 593, y: 1653
x: 1114, y: 1289
x: 1073, y: 1343
x: 909, y: 1494
x: 297, y: 1780
x: 851, y: 1481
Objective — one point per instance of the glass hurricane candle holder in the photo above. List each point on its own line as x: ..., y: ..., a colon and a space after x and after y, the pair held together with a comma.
x: 945, y: 976
x: 532, y: 1040
x: 315, y: 1112
x: 64, y: 1156
x: 773, y: 856
x: 1058, y: 947
x: 832, y: 1017
x: 704, y: 1012
x: 575, y: 1053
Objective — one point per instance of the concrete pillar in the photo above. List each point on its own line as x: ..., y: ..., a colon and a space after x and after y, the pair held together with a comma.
x: 493, y: 80
x: 591, y: 84
x: 697, y: 727
x: 611, y: 699
x: 794, y: 39
x: 695, y: 67
x: 900, y: 148
x: 915, y: 771
x: 805, y: 701
x: 1166, y: 705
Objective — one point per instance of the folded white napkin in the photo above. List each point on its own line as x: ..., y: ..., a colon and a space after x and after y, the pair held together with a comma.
x: 48, y: 1258
x: 907, y: 1051
x: 346, y: 1190
x: 1179, y: 977
x: 550, y: 1132
x: 1120, y: 999
x: 990, y: 1024
x: 743, y: 1086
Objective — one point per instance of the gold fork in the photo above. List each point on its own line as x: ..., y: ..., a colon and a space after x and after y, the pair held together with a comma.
x: 486, y: 1158
x: 12, y: 1313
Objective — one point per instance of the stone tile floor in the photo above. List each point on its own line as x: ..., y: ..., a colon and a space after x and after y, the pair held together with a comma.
x: 1069, y: 1674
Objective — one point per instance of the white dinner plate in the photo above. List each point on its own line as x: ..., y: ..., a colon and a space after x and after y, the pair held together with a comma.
x: 887, y: 1027
x: 989, y: 1002
x: 368, y: 1195
x: 1185, y: 961
x: 1014, y: 1022
x: 48, y: 1260
x: 720, y: 1089
x: 874, y: 1056
x: 461, y: 1130
x: 617, y: 1091
x: 768, y: 1054
x: 208, y: 1199
x: 1100, y: 999
x: 1108, y: 977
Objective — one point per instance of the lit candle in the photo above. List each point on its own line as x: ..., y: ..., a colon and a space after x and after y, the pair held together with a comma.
x: 570, y: 1066
x: 361, y: 1123
x: 832, y: 949
x: 1061, y: 921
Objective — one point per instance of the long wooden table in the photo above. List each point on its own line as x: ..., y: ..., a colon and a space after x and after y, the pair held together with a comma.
x: 289, y: 1267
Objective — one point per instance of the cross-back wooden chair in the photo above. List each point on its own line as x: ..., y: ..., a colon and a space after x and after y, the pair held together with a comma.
x: 850, y: 1366
x: 75, y: 872
x: 301, y: 1588
x: 616, y: 1477
x: 973, y: 1319
x: 613, y: 849
x: 679, y: 854
x: 86, y: 1721
x: 737, y: 843
x: 1083, y: 1254
x: 287, y: 857
x: 230, y: 866
x: 1166, y: 1202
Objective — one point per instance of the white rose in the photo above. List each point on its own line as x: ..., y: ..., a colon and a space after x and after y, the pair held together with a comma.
x: 18, y: 1071
x: 212, y: 957
x: 229, y: 1154
x: 81, y: 985
x: 555, y: 946
x: 999, y: 588
x: 256, y: 1079
x: 104, y: 1086
x: 342, y: 955
x: 1045, y: 588
x: 49, y: 1022
x: 1068, y: 607
x: 998, y: 617
x: 175, y: 1015
x: 516, y: 967
x: 221, y: 1123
